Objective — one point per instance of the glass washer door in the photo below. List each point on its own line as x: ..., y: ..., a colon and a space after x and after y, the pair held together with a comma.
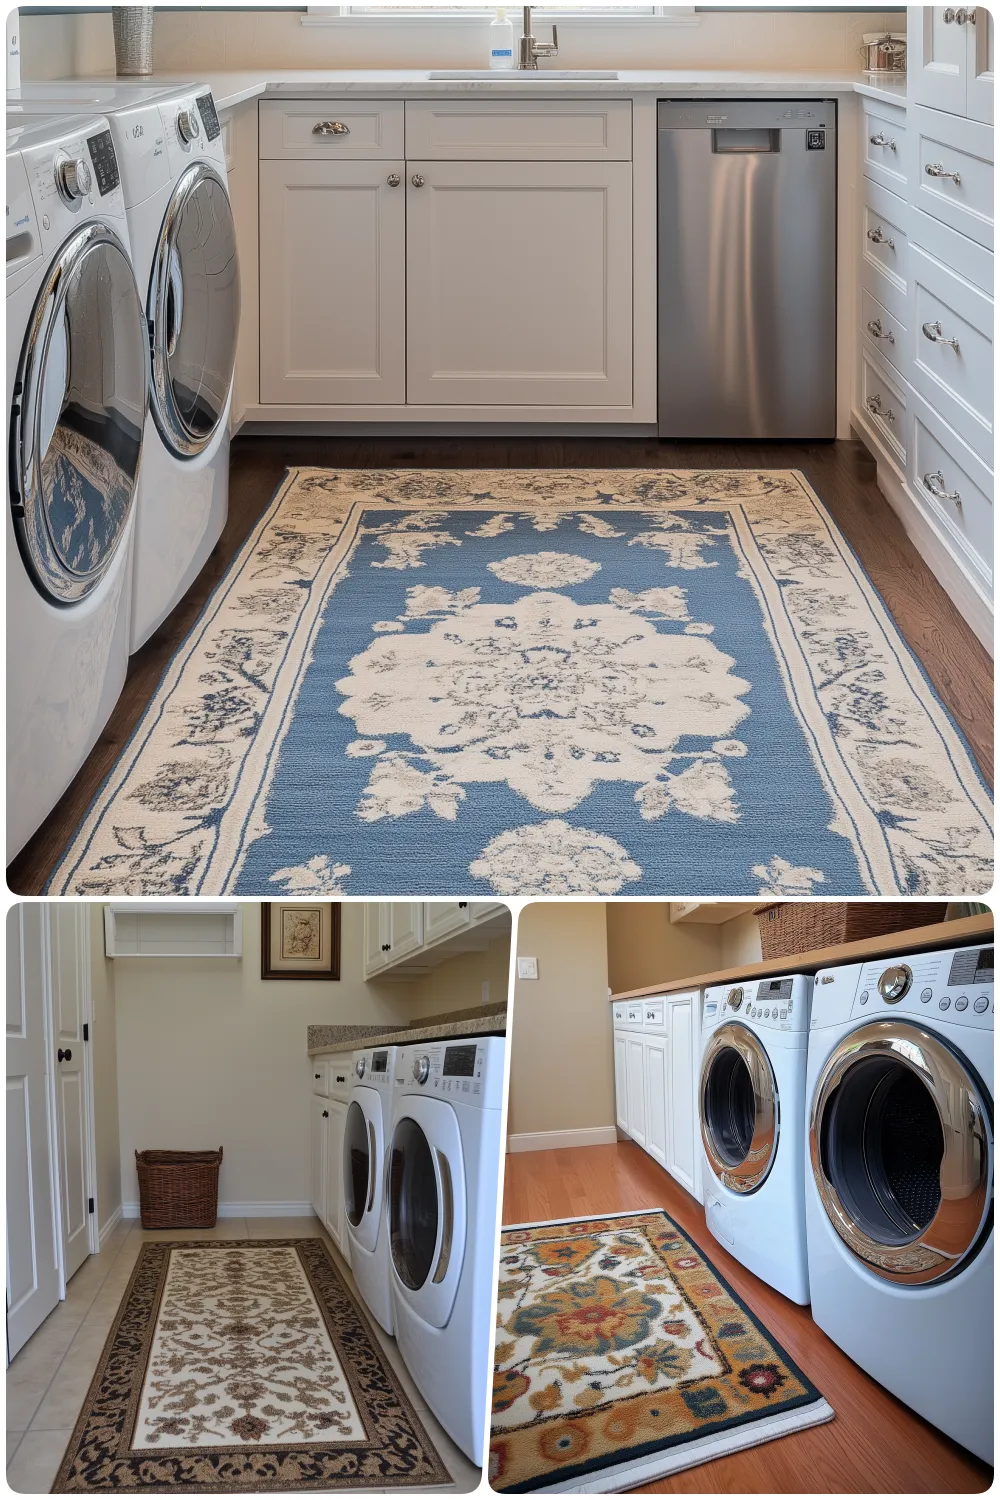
x: 194, y: 312
x: 426, y: 1208
x: 79, y: 410
x: 363, y: 1152
x: 739, y: 1108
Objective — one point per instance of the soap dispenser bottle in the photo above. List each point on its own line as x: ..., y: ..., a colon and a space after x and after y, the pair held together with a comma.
x: 501, y: 40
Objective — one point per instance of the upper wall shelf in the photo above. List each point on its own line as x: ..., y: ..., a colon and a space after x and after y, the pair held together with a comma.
x: 940, y: 935
x: 173, y: 929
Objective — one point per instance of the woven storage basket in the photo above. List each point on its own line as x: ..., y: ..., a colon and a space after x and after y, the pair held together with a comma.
x: 178, y: 1189
x: 800, y: 926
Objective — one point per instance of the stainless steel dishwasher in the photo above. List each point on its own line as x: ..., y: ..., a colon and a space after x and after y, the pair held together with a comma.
x: 747, y: 319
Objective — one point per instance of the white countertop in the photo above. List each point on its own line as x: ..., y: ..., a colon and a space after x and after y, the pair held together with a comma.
x: 235, y: 88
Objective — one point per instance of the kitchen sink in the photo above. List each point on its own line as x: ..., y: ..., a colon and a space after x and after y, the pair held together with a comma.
x: 508, y: 75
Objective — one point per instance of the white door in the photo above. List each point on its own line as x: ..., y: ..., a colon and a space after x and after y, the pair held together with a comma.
x: 519, y: 283
x: 681, y: 1125
x: 937, y: 58
x: 67, y: 942
x: 442, y: 918
x: 979, y: 68
x: 332, y: 287
x: 656, y: 1098
x: 32, y: 1266
x: 376, y: 936
x: 621, y: 1083
x: 635, y: 1083
x: 319, y: 1146
x: 335, y: 1174
x: 406, y: 928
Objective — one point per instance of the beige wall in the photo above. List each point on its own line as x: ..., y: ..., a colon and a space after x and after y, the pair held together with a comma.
x: 646, y: 948
x: 564, y: 1010
x: 740, y: 942
x: 458, y: 983
x: 102, y: 999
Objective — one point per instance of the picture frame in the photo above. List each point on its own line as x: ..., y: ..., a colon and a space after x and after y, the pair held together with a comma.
x: 300, y: 940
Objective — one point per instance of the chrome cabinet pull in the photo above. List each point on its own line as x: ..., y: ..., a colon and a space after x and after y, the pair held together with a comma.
x: 883, y: 140
x: 949, y: 16
x: 935, y: 483
x: 878, y: 238
x: 935, y: 333
x: 874, y: 405
x: 417, y: 180
x: 937, y: 169
x: 393, y: 179
x: 965, y: 15
x: 331, y: 127
x: 878, y: 332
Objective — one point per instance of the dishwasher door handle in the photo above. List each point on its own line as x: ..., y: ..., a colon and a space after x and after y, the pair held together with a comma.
x: 732, y: 141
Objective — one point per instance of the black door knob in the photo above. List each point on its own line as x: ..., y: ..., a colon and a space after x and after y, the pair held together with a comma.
x: 462, y: 905
x: 385, y: 947
x: 66, y: 1056
x: 326, y: 1114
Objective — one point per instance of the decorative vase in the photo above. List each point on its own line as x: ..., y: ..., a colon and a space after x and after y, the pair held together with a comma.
x: 133, y: 28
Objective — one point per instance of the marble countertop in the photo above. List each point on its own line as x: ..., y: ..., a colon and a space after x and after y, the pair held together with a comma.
x: 479, y: 1020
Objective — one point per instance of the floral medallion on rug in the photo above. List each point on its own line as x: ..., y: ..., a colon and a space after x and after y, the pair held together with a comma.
x: 621, y: 1351
x: 244, y: 1365
x: 536, y: 682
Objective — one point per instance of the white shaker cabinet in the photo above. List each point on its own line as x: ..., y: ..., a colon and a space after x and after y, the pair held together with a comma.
x: 334, y: 1216
x: 488, y: 327
x: 319, y: 1150
x: 621, y: 1082
x: 655, y: 1095
x: 950, y: 59
x: 442, y: 918
x: 393, y: 930
x: 657, y: 1107
x: 682, y: 1120
x: 635, y: 1087
x: 333, y: 304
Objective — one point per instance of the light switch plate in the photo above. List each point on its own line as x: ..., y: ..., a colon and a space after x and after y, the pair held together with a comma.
x: 527, y: 968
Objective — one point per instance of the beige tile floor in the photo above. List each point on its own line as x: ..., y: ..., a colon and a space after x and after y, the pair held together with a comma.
x: 48, y: 1379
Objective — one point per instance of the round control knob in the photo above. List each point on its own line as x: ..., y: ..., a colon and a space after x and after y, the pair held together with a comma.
x: 421, y: 1068
x: 359, y: 1067
x: 735, y: 998
x: 188, y: 127
x: 73, y: 178
x: 894, y: 982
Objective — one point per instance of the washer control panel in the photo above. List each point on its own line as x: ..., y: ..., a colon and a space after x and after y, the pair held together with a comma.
x: 780, y: 1004
x: 956, y: 985
x: 466, y: 1071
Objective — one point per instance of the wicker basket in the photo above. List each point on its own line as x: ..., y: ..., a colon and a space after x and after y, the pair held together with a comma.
x: 178, y: 1189
x: 796, y: 927
x: 133, y: 32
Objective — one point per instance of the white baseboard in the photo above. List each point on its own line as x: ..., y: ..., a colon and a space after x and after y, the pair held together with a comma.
x: 108, y: 1226
x: 562, y: 1140
x: 246, y: 1210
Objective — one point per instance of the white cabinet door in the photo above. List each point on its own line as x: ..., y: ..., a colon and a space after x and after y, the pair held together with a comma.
x: 636, y: 1085
x: 681, y: 1131
x: 980, y: 70
x: 376, y: 936
x: 443, y: 918
x: 319, y: 1146
x: 656, y: 1098
x: 335, y: 1175
x: 937, y: 58
x: 32, y: 1269
x: 406, y: 928
x: 621, y: 1083
x: 332, y: 289
x: 67, y: 946
x: 493, y: 323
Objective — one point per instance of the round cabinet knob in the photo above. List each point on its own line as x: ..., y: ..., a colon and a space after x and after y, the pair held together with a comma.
x: 894, y: 982
x: 359, y: 1067
x: 187, y: 126
x: 393, y: 179
x: 326, y: 1114
x: 418, y: 180
x: 73, y: 179
x: 735, y: 998
x: 62, y: 1056
x: 421, y: 1068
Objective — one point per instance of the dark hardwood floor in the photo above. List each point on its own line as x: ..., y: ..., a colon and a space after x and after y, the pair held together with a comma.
x: 875, y: 1444
x: 841, y: 473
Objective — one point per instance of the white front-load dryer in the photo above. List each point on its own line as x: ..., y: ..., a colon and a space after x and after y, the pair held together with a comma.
x: 77, y: 394
x: 366, y: 1140
x: 751, y: 1106
x: 173, y: 163
x: 442, y: 1206
x: 899, y: 1185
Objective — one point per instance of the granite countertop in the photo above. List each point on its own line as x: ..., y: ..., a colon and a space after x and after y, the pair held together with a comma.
x: 232, y: 88
x: 479, y: 1020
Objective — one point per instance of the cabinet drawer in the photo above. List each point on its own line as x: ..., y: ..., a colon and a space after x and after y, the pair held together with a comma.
x: 654, y: 1015
x: 886, y: 332
x: 962, y: 255
x: 884, y: 403
x: 953, y: 169
x: 885, y: 145
x: 340, y: 1076
x: 952, y: 349
x: 307, y: 129
x: 885, y: 237
x: 319, y: 1075
x: 955, y: 486
x: 618, y: 1013
x: 633, y: 1013
x: 509, y: 130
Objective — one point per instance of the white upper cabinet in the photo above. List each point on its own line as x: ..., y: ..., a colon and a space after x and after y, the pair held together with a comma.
x: 442, y: 918
x: 406, y: 928
x: 950, y: 59
x: 404, y: 939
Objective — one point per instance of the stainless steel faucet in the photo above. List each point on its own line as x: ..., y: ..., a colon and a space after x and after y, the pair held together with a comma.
x: 530, y: 50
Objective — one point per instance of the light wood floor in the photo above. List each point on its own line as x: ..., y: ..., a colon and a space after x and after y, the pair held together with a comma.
x: 874, y: 1444
x: 48, y: 1379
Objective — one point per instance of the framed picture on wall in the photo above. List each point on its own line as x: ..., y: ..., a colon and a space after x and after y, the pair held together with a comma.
x: 300, y: 940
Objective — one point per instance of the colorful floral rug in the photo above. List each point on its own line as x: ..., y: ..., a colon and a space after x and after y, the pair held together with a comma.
x: 244, y: 1365
x: 527, y: 682
x: 622, y: 1356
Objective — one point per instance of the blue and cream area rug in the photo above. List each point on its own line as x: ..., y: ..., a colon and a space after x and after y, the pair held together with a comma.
x: 541, y: 681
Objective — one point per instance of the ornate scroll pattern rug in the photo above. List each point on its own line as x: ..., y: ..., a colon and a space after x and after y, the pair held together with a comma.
x: 244, y: 1365
x: 623, y: 1356
x: 541, y: 682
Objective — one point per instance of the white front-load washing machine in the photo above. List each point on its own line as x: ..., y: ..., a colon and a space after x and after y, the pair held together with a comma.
x: 442, y: 1209
x: 366, y: 1140
x: 899, y: 1186
x: 173, y: 165
x: 77, y: 393
x: 751, y: 1107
